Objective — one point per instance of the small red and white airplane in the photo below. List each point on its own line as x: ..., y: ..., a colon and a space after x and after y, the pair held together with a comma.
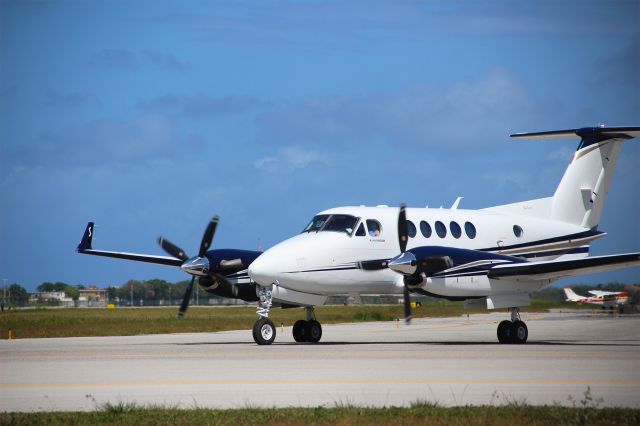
x: 490, y: 258
x: 605, y: 299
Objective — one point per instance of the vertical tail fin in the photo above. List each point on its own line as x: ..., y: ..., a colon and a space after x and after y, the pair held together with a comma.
x: 580, y: 196
x: 85, y: 243
x: 572, y: 296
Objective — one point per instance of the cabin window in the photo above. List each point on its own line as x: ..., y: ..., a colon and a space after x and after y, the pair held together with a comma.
x: 374, y: 228
x: 456, y: 231
x: 517, y: 231
x: 411, y: 229
x: 470, y: 230
x: 316, y: 223
x: 425, y: 228
x: 361, y: 232
x: 441, y: 230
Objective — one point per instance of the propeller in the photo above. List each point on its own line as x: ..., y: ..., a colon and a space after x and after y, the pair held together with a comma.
x: 403, y: 238
x: 403, y: 233
x: 406, y: 263
x: 199, y: 266
x: 207, y: 237
x: 172, y: 249
x: 185, y: 299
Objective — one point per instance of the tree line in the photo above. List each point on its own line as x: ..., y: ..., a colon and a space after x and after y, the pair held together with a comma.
x: 161, y: 290
x: 149, y: 290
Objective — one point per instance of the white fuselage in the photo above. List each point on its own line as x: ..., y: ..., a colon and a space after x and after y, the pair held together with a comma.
x: 326, y: 262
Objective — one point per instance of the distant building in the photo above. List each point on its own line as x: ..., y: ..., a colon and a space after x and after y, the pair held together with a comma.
x: 93, y: 296
x: 58, y: 297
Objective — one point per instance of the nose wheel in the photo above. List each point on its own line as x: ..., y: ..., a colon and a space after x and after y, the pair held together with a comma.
x: 514, y: 331
x: 264, y: 331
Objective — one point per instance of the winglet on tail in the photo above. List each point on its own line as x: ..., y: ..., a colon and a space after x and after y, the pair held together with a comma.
x: 85, y: 244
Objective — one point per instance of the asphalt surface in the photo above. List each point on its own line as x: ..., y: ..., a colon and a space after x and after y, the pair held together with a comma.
x: 568, y: 359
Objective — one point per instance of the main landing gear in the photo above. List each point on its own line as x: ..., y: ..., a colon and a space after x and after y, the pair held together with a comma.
x: 514, y: 331
x: 309, y: 330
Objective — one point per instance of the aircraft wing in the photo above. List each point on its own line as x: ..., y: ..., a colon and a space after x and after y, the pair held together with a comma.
x: 554, y: 269
x: 604, y: 293
x: 85, y: 248
x: 149, y: 258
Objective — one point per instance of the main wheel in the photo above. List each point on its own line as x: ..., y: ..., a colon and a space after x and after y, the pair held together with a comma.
x: 313, y: 331
x: 264, y: 332
x: 299, y: 329
x: 504, y: 332
x: 519, y: 332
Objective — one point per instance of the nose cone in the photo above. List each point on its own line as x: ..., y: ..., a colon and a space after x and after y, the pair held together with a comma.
x: 405, y: 263
x: 196, y: 266
x: 277, y: 263
x: 262, y: 270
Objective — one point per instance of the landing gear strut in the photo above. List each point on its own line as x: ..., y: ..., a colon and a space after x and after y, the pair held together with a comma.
x: 514, y: 331
x: 309, y: 330
x: 264, y: 331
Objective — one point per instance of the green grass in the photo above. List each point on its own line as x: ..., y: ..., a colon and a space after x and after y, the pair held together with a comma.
x: 73, y: 322
x: 416, y: 414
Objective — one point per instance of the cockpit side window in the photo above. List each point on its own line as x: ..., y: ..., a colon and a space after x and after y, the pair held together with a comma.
x: 361, y: 232
x: 341, y: 223
x: 374, y: 228
x: 316, y: 223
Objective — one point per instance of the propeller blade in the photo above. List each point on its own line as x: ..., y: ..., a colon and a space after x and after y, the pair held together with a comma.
x: 185, y: 299
x: 403, y: 236
x: 407, y: 305
x: 232, y: 289
x: 172, y: 249
x: 207, y: 237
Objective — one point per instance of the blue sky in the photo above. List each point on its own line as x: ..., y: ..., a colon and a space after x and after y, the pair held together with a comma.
x: 148, y: 117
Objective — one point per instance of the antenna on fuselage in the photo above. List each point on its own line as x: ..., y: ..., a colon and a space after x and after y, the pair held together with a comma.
x: 456, y: 203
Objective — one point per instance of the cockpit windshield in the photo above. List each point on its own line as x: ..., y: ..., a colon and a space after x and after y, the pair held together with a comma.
x: 316, y: 223
x: 335, y: 222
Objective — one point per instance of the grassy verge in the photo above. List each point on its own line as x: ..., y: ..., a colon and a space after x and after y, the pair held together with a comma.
x: 74, y: 322
x: 417, y: 414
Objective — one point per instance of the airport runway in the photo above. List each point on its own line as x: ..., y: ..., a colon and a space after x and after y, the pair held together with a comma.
x: 451, y: 361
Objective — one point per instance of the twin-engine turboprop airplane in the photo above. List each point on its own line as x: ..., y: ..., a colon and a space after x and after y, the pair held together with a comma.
x: 492, y: 258
x: 605, y: 299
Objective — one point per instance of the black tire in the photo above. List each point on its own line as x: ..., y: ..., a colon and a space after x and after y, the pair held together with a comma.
x: 264, y: 332
x: 519, y: 332
x: 504, y: 331
x: 299, y: 329
x: 313, y: 331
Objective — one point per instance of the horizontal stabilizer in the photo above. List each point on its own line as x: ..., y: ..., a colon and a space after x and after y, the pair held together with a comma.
x: 596, y: 134
x: 554, y: 269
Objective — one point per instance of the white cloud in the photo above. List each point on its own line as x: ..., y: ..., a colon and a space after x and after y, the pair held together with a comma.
x: 288, y: 159
x: 472, y: 114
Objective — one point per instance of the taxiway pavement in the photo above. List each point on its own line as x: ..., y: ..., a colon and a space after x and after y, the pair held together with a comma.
x: 451, y: 361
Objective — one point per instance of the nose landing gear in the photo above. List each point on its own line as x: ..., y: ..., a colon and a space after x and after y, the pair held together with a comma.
x: 514, y: 331
x: 264, y: 331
